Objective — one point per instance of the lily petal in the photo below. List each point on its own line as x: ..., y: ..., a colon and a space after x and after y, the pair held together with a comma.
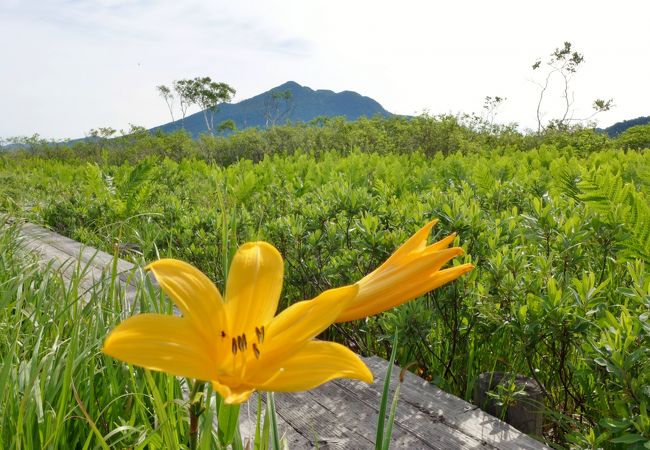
x: 389, y: 287
x: 316, y: 363
x: 230, y: 395
x: 401, y: 292
x: 254, y: 285
x: 431, y: 282
x: 194, y: 293
x: 164, y: 343
x: 424, y: 262
x: 443, y: 243
x: 300, y: 322
x: 415, y: 243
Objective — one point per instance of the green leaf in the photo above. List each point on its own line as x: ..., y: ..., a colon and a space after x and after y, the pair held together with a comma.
x: 228, y: 420
x: 628, y: 439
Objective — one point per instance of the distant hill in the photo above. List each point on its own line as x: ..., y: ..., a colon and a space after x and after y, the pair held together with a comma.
x: 619, y: 127
x: 304, y: 105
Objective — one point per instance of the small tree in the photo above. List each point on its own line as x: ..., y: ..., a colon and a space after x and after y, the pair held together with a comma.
x: 208, y: 95
x: 101, y: 133
x: 167, y: 95
x: 490, y: 108
x: 564, y: 62
x: 183, y: 89
x: 637, y: 137
x: 199, y: 91
x: 278, y: 105
x: 227, y: 125
x: 31, y: 143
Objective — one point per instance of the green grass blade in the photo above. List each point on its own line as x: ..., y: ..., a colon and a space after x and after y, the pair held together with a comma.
x: 266, y: 429
x: 169, y: 434
x: 205, y: 442
x: 258, y: 420
x: 228, y: 419
x: 391, y: 418
x: 381, y: 418
x: 270, y: 410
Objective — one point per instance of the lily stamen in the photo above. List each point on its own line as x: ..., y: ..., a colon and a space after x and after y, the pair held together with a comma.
x: 260, y: 334
x: 241, y: 342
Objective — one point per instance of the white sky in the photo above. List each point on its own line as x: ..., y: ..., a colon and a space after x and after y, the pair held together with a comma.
x: 67, y: 66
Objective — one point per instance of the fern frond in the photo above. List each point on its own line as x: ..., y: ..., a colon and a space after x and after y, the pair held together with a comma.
x: 569, y: 180
x: 619, y: 203
x: 137, y: 186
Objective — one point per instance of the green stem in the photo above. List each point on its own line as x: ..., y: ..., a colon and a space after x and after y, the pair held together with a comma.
x: 196, y: 409
x: 381, y: 418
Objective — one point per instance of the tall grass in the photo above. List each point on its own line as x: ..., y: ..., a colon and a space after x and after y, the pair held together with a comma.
x: 59, y: 390
x: 62, y: 392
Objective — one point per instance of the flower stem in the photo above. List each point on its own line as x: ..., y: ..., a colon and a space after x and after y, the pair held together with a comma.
x: 196, y: 408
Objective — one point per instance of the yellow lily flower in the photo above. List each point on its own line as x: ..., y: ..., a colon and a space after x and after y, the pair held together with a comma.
x: 236, y: 343
x: 412, y: 271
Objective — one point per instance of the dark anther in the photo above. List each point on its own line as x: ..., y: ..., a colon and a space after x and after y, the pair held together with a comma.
x: 241, y: 343
x: 243, y: 338
x: 256, y: 351
x: 223, y: 334
x: 260, y: 334
x: 234, y: 346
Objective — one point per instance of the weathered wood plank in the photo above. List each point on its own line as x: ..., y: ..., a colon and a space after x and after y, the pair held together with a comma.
x: 95, y: 265
x: 67, y: 265
x: 453, y: 411
x: 87, y: 255
x: 295, y: 439
x: 341, y: 414
x: 412, y: 428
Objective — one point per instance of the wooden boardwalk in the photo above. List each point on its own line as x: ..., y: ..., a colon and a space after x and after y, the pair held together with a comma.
x: 341, y: 414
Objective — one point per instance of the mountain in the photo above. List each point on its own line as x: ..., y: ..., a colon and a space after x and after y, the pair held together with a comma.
x: 619, y: 127
x: 303, y: 105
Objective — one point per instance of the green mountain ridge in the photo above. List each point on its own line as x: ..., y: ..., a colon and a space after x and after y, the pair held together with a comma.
x: 619, y: 127
x: 304, y: 105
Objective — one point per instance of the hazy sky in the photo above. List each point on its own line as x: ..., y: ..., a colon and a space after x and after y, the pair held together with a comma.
x: 67, y: 66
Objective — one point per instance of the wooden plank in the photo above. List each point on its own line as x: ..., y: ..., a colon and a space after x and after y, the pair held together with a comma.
x: 314, y: 421
x: 65, y: 251
x: 341, y: 414
x: 453, y: 411
x: 336, y: 417
x: 67, y: 266
x: 412, y: 428
x: 295, y: 439
x: 87, y: 255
